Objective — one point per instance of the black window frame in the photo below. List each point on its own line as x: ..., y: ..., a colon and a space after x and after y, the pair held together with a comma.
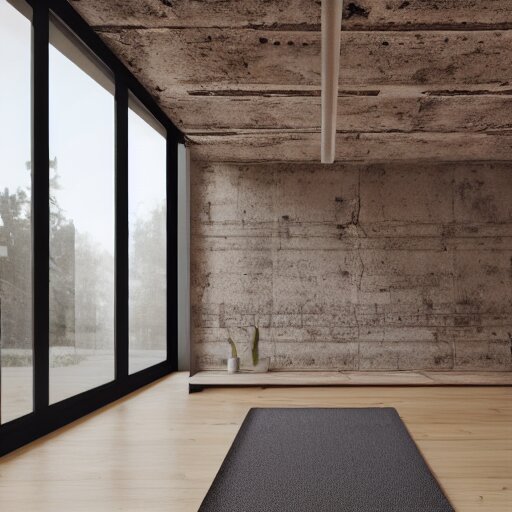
x: 47, y: 417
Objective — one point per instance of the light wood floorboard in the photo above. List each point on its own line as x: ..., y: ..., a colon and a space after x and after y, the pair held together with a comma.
x: 159, y: 449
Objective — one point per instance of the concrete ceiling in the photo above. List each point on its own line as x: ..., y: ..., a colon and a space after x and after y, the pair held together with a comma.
x: 419, y: 79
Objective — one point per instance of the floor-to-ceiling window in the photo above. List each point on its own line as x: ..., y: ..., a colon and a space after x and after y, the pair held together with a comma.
x: 82, y: 231
x: 147, y: 227
x: 88, y: 169
x: 15, y: 211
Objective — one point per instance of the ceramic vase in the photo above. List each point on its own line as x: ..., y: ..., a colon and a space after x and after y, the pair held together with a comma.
x: 233, y: 364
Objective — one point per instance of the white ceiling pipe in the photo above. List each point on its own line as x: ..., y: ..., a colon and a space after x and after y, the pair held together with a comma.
x: 331, y: 32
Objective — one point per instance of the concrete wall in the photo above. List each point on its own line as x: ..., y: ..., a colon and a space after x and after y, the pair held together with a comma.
x: 374, y: 267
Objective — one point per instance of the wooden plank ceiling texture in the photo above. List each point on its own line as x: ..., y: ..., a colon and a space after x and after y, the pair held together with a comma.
x: 419, y: 79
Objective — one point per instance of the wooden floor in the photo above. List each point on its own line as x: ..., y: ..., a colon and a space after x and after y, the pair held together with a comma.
x: 159, y: 449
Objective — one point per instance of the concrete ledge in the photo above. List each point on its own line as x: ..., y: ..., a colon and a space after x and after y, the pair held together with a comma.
x: 403, y: 378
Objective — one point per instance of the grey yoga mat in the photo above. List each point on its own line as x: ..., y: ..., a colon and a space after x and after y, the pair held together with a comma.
x: 323, y: 460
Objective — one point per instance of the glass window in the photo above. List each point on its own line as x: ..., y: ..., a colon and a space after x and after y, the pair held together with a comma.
x: 82, y: 229
x: 15, y: 211
x: 147, y: 235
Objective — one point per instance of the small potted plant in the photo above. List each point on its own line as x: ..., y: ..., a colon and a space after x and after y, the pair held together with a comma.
x: 234, y: 360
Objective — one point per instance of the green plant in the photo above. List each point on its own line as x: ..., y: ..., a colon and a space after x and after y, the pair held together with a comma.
x: 255, y: 349
x: 234, y: 352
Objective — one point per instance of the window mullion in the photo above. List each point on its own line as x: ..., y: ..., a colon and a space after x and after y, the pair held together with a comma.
x: 172, y: 250
x: 121, y: 269
x: 41, y: 201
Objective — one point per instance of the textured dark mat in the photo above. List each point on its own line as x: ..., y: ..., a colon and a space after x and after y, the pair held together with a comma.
x: 319, y: 460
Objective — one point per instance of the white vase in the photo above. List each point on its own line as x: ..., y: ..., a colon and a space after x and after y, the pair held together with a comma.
x: 233, y: 364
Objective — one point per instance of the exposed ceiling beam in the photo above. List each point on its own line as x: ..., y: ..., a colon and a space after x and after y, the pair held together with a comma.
x: 356, y: 147
x: 420, y: 113
x: 301, y: 15
x: 191, y: 59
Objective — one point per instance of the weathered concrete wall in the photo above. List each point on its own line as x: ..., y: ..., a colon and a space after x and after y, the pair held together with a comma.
x: 351, y: 266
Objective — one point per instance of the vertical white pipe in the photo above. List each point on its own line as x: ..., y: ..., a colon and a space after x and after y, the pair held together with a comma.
x: 331, y: 32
